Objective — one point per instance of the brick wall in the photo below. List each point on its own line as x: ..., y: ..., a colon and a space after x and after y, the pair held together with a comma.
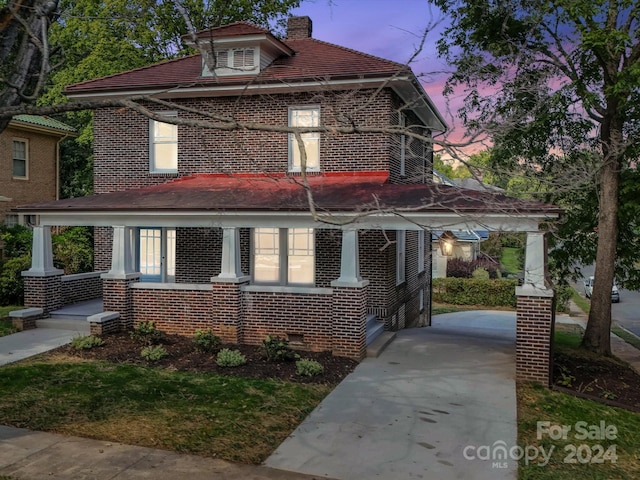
x: 43, y: 292
x: 41, y: 183
x: 304, y: 318
x: 117, y: 296
x: 102, y: 245
x: 535, y: 320
x: 348, y: 329
x: 80, y: 287
x: 199, y: 254
x: 174, y: 311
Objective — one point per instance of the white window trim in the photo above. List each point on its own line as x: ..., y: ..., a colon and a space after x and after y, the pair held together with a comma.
x: 421, y: 262
x: 229, y: 69
x: 26, y: 160
x: 152, y: 142
x: 293, y: 168
x: 401, y: 256
x: 283, y: 259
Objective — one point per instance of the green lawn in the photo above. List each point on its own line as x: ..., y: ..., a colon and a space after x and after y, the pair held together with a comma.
x: 6, y: 327
x: 232, y: 418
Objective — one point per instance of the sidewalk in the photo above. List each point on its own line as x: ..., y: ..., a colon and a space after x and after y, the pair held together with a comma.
x: 25, y: 454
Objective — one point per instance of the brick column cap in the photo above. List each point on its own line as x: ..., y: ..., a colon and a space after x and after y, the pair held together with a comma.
x: 532, y: 291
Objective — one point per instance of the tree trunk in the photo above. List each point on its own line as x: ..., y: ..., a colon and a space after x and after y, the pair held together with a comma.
x: 597, y: 336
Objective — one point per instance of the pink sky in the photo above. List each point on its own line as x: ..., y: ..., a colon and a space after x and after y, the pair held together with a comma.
x: 389, y: 29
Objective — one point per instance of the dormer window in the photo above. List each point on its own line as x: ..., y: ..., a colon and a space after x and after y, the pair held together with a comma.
x: 233, y: 61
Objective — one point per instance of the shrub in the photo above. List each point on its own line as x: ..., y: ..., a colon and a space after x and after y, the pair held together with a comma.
x: 475, y: 291
x: 146, y: 333
x: 492, y: 246
x: 480, y: 273
x: 206, y: 341
x: 86, y: 342
x: 308, y: 368
x: 459, y: 268
x: 230, y: 358
x: 73, y: 250
x: 12, y: 281
x: 277, y: 349
x: 153, y: 353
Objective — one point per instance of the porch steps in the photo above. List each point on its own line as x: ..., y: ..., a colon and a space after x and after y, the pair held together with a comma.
x: 78, y: 311
x: 74, y: 324
x: 373, y: 327
x: 379, y: 344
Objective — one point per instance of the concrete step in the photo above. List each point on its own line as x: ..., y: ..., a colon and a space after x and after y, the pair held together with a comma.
x: 73, y: 324
x: 380, y: 343
x: 374, y: 331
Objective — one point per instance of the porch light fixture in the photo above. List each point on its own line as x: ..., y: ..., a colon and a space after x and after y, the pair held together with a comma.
x: 447, y: 239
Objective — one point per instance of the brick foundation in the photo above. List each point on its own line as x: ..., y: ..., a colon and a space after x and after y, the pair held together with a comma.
x: 535, y: 320
x: 227, y: 311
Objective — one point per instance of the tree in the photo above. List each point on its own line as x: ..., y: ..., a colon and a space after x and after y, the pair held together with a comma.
x: 24, y: 51
x: 556, y: 85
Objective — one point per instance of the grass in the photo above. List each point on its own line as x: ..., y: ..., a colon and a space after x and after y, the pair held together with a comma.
x: 232, y: 418
x: 539, y: 404
x: 628, y: 337
x: 511, y: 260
x: 582, y: 303
x: 6, y: 326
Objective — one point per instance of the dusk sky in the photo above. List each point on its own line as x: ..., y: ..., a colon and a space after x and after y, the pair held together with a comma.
x: 389, y: 29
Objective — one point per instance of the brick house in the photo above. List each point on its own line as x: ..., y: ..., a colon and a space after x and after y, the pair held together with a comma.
x: 29, y: 161
x: 205, y: 217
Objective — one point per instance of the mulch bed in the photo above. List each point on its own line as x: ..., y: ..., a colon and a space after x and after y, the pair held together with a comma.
x: 606, y: 380
x: 184, y: 357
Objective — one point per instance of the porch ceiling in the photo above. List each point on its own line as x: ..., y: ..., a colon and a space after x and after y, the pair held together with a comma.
x: 366, y: 199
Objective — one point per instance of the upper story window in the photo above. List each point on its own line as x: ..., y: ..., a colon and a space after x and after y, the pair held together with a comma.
x: 283, y: 256
x: 304, y: 117
x: 163, y: 146
x: 20, y: 156
x: 232, y: 61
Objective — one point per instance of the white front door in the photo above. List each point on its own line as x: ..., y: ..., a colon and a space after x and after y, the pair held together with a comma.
x: 156, y: 254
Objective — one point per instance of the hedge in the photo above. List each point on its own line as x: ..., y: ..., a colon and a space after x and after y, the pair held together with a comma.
x: 475, y: 291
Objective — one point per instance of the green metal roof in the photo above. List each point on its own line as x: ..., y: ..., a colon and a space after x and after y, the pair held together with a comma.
x: 44, y: 122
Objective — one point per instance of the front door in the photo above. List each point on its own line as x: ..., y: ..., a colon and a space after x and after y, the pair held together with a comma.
x: 156, y: 254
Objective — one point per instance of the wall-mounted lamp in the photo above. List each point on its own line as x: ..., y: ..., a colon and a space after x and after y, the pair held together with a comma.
x: 447, y: 240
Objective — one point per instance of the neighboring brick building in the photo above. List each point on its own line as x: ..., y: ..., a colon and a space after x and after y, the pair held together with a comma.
x: 29, y: 160
x: 214, y: 225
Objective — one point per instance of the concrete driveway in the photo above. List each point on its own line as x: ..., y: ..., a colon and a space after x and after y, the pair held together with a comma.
x: 420, y: 410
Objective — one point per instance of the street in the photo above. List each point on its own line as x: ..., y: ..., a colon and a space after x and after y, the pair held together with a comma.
x: 627, y: 312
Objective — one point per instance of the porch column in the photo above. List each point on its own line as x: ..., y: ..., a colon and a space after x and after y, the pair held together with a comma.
x: 117, y: 294
x: 227, y: 295
x: 349, y: 301
x: 42, y: 282
x: 535, y: 315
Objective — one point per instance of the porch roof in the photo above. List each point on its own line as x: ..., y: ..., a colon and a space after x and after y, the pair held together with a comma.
x: 360, y: 194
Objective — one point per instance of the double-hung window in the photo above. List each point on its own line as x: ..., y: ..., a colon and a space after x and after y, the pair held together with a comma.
x: 163, y: 146
x: 20, y: 159
x: 283, y: 256
x: 304, y: 117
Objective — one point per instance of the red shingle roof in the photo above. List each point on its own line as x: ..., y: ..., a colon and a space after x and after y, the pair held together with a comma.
x: 231, y: 30
x: 337, y: 192
x: 313, y: 60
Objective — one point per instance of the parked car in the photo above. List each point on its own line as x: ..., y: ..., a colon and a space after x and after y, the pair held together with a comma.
x: 588, y: 290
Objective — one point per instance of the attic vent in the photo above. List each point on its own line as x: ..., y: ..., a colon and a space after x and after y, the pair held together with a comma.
x: 243, y: 58
x: 222, y: 59
x: 237, y: 61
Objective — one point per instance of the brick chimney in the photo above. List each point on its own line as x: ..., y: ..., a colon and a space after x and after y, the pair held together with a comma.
x: 299, y: 27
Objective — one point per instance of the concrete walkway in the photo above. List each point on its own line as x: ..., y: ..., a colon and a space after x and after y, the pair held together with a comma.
x: 28, y: 343
x: 411, y: 412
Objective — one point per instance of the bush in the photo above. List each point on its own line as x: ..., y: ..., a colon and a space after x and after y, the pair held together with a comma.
x: 459, y: 268
x: 12, y: 281
x: 475, y: 291
x: 17, y: 241
x: 308, y: 368
x: 230, y: 358
x: 492, y: 246
x: 480, y: 273
x: 153, y: 353
x: 73, y: 250
x: 277, y: 349
x: 86, y: 342
x: 146, y: 333
x: 206, y: 341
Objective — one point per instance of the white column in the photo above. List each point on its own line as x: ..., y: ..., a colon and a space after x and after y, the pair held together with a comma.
x: 535, y: 266
x: 349, y: 262
x: 42, y: 254
x: 122, y: 265
x: 230, y: 269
